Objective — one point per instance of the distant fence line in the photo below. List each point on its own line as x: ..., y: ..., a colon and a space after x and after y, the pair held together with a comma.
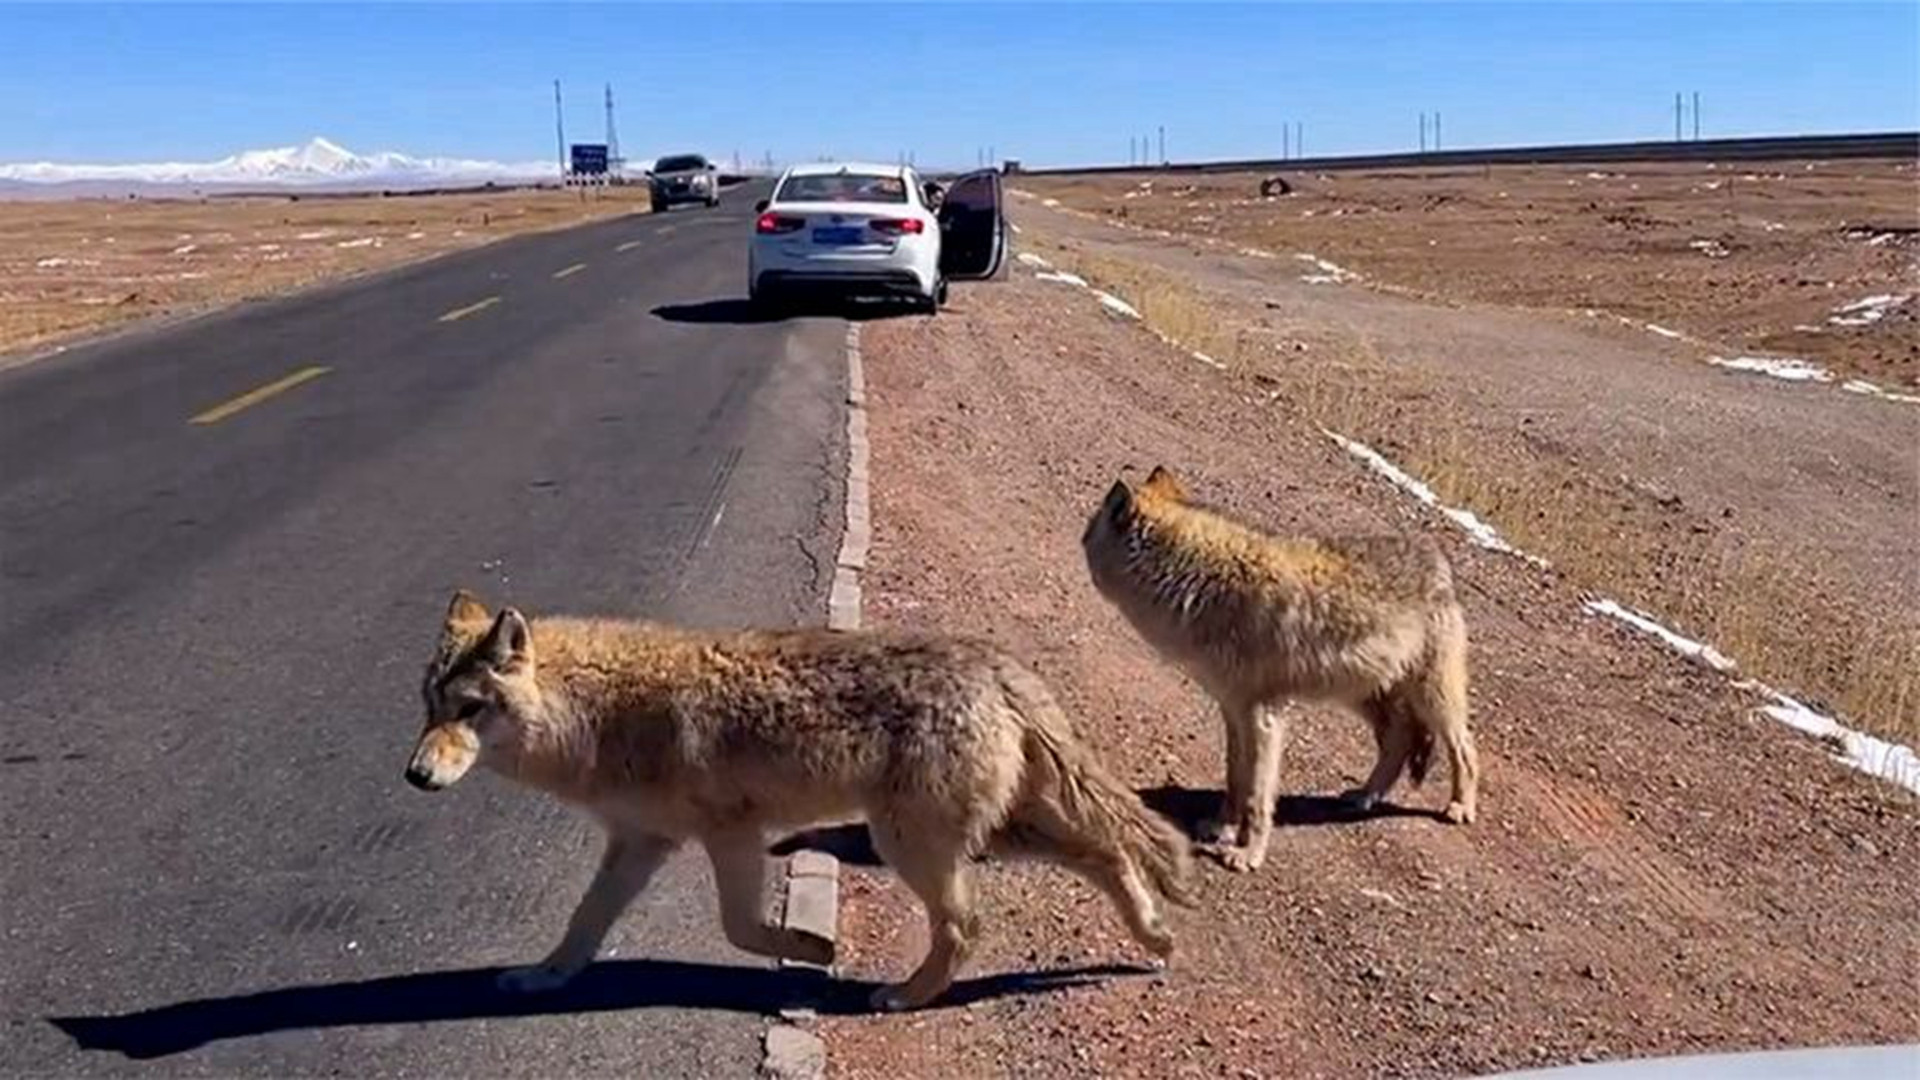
x: 1898, y: 144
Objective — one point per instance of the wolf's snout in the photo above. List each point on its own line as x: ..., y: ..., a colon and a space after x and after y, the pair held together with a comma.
x: 422, y: 778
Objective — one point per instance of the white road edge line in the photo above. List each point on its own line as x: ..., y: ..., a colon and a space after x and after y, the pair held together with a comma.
x: 792, y: 1050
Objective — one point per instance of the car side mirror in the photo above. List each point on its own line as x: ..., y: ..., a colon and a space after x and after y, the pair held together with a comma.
x: 761, y: 206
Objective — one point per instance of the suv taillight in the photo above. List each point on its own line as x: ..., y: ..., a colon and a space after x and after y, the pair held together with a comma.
x: 778, y: 223
x: 898, y: 226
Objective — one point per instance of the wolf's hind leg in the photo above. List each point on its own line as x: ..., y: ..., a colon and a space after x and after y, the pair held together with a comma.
x: 629, y: 862
x: 1393, y: 739
x: 740, y: 872
x: 934, y: 865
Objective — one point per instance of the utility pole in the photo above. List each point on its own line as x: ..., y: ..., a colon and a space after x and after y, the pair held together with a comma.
x: 613, y: 138
x: 1286, y: 140
x: 559, y: 132
x: 1696, y: 116
x: 1676, y: 115
x: 1163, y: 144
x: 1423, y: 133
x: 1132, y: 151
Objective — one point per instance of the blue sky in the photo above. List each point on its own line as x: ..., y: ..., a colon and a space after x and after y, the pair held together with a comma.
x: 1050, y: 83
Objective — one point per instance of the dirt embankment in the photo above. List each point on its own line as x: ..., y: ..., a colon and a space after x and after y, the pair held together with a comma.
x: 1774, y: 519
x: 81, y: 265
x: 1657, y: 869
x: 1775, y: 258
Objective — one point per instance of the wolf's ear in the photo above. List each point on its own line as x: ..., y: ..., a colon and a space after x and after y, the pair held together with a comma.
x: 1163, y: 483
x: 467, y: 619
x: 466, y: 608
x: 510, y: 642
x: 1119, y: 501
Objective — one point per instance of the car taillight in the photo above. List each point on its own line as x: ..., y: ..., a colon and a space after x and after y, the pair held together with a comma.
x: 898, y: 226
x: 778, y: 223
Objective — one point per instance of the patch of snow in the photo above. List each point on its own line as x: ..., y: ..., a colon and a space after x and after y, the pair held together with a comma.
x: 364, y: 241
x: 1777, y: 367
x: 1208, y: 360
x: 1648, y: 625
x: 1329, y: 274
x: 186, y: 249
x: 1867, y: 311
x: 53, y: 262
x: 1883, y: 238
x: 1876, y: 757
x: 416, y: 236
x: 1478, y: 531
x: 1664, y: 332
x: 1015, y: 228
x: 1049, y: 202
x: 266, y: 247
x: 1861, y: 386
x: 1712, y: 249
x: 317, y: 234
x: 1028, y: 258
x: 1117, y: 306
x: 1062, y: 277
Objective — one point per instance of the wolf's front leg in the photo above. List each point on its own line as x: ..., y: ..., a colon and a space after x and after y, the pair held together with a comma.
x: 740, y: 871
x: 1225, y: 828
x: 1264, y: 739
x: 629, y: 862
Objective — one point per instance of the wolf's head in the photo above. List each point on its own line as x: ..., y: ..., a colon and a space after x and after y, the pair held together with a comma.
x: 1114, y: 531
x: 1119, y: 511
x: 481, y: 666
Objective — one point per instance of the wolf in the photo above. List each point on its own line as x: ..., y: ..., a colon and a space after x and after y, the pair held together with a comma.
x: 1260, y: 621
x: 947, y: 747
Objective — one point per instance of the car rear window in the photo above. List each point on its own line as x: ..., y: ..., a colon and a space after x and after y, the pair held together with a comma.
x: 843, y: 187
x: 679, y: 164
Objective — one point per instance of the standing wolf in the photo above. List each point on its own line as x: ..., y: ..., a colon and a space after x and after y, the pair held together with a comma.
x: 947, y: 748
x: 1258, y: 620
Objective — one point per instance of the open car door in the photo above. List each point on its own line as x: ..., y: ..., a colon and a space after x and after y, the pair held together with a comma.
x: 973, y: 228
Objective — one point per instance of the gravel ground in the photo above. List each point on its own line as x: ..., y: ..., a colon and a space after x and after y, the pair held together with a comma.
x: 1656, y: 867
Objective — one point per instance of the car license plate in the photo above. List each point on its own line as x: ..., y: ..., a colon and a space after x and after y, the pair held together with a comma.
x: 842, y: 234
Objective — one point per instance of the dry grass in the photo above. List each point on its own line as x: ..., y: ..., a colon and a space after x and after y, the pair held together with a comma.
x: 1770, y: 610
x: 1756, y: 258
x: 84, y: 265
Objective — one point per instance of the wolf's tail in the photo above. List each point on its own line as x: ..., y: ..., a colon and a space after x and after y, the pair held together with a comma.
x: 1076, y: 810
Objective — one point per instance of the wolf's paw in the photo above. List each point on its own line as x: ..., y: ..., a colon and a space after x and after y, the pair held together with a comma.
x: 1244, y: 858
x: 1161, y: 944
x: 1459, y: 813
x: 535, y: 979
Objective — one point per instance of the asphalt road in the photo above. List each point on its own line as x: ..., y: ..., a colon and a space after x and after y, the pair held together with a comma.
x: 212, y: 634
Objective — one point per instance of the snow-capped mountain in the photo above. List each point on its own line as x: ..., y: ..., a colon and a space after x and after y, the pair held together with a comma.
x: 317, y: 162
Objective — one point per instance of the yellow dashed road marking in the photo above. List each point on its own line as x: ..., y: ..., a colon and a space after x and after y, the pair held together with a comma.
x: 463, y: 312
x: 569, y: 271
x: 259, y: 394
x: 628, y: 246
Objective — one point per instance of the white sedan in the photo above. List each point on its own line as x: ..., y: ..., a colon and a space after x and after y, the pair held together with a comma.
x: 851, y: 229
